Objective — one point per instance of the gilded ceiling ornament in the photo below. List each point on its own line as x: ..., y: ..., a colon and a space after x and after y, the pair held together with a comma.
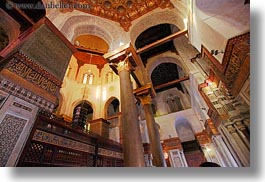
x: 121, y: 11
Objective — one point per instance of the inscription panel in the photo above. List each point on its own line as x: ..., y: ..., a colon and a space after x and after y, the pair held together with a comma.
x: 49, y: 138
x: 37, y: 77
x: 46, y: 137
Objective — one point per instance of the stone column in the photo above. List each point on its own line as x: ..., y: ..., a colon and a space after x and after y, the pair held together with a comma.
x: 132, y: 142
x: 154, y: 137
x: 238, y: 145
x: 224, y: 153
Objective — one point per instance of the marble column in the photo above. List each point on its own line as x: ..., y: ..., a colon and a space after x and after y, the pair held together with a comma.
x: 223, y: 152
x: 154, y: 137
x: 132, y: 142
x: 238, y: 145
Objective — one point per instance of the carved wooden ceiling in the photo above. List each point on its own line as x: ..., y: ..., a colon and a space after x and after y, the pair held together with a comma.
x: 121, y: 11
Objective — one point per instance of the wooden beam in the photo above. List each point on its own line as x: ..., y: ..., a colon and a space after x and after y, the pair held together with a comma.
x: 161, y: 41
x: 91, y: 51
x: 136, y: 79
x: 171, y: 83
x: 20, y: 12
x: 144, y: 90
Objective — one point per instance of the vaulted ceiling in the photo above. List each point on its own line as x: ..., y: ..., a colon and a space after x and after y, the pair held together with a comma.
x: 121, y: 11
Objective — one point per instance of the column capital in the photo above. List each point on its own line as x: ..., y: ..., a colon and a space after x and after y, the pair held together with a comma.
x: 145, y: 99
x: 123, y: 65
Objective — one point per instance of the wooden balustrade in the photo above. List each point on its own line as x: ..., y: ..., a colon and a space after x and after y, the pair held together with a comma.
x: 54, y: 142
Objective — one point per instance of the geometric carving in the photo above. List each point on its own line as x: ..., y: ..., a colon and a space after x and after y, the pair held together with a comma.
x: 232, y: 43
x: 110, y: 153
x: 121, y: 11
x: 235, y: 67
x: 49, y: 138
x: 26, y: 95
x: 236, y: 64
x: 10, y: 130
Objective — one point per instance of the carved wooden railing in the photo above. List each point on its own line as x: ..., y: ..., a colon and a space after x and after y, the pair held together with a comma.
x: 54, y: 142
x: 212, y: 112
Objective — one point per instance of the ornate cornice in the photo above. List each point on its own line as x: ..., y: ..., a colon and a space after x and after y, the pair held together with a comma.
x: 203, y: 137
x: 26, y: 95
x: 230, y: 47
x: 171, y: 143
x: 121, y: 11
x: 231, y: 44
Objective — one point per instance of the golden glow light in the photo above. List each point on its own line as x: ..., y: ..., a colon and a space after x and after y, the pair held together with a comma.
x: 104, y: 94
x: 185, y: 21
x: 165, y: 155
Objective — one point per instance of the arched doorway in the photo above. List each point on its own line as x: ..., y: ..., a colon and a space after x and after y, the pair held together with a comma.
x: 193, y: 153
x: 113, y: 105
x: 82, y: 113
x: 112, y: 109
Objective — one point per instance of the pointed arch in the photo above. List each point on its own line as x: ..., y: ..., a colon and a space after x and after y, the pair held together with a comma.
x: 61, y: 100
x: 166, y: 59
x: 82, y: 113
x: 112, y: 107
x: 184, y: 129
x: 79, y: 101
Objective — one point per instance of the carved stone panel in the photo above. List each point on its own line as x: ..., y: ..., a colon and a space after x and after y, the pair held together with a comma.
x: 10, y: 130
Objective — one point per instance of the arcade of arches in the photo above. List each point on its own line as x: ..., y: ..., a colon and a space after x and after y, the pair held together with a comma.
x: 125, y: 83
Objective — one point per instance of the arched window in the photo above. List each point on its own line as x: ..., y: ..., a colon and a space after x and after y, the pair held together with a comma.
x: 109, y: 77
x: 88, y: 78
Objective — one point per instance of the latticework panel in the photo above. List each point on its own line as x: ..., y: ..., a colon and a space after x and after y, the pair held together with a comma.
x: 34, y: 153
